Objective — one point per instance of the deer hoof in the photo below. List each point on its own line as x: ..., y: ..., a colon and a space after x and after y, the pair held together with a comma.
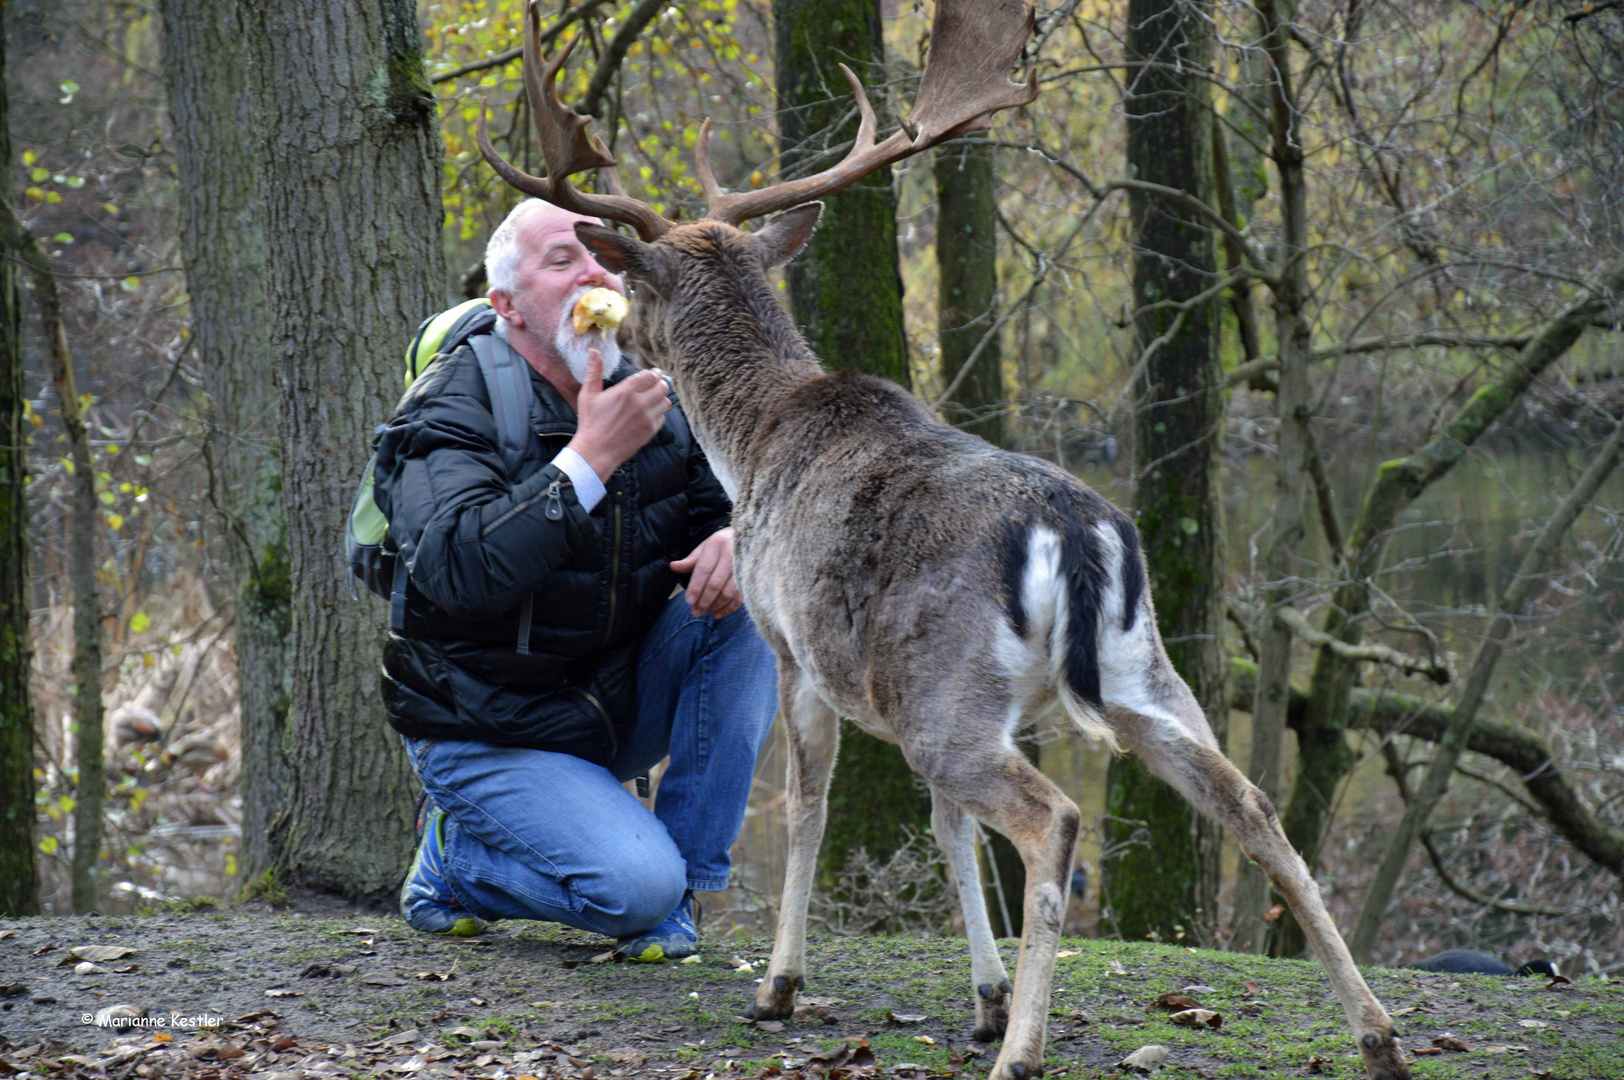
x: 1382, y: 1058
x: 992, y: 1011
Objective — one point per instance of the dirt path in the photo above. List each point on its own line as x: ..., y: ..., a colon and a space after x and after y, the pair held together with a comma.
x: 298, y: 997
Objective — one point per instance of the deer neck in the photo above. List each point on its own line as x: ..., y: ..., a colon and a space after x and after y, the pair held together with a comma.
x: 736, y: 357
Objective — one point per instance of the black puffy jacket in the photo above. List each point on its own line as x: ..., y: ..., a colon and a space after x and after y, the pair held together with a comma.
x: 478, y: 543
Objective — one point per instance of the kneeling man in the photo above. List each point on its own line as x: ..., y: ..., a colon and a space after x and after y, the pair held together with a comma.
x: 548, y: 651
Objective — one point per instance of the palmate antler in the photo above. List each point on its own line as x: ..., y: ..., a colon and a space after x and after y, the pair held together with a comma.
x: 974, y: 43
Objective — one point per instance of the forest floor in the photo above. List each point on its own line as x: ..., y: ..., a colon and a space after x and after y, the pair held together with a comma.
x: 290, y: 996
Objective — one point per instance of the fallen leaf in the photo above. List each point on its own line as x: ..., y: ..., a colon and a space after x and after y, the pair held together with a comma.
x: 127, y: 969
x: 1197, y: 1018
x: 463, y: 1033
x: 628, y: 1056
x: 906, y: 1018
x: 400, y: 1037
x: 163, y: 1037
x: 1558, y: 980
x: 1175, y: 1002
x: 283, y: 1042
x: 6, y: 933
x: 383, y: 979
x: 536, y: 1004
x: 43, y: 949
x: 109, y: 1016
x: 282, y: 991
x: 436, y: 976
x: 694, y: 959
x: 1115, y: 968
x: 926, y: 1039
x: 1146, y: 1059
x: 1532, y: 1023
x: 1273, y: 914
x: 1065, y: 952
x: 476, y: 1001
x: 100, y: 953
x: 251, y: 1017
x: 1407, y: 1010
x: 85, y: 967
x: 1253, y: 989
x: 1450, y: 1042
x: 1316, y: 1065
x: 13, y: 990
x: 1504, y: 1048
x: 359, y: 930
x: 1197, y: 988
x: 771, y: 1027
x: 1422, y: 1051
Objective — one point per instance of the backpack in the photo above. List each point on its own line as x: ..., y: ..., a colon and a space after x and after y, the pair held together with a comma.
x: 374, y: 561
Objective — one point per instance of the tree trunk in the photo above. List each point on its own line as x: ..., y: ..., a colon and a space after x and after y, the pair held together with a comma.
x: 1169, y: 890
x: 90, y: 789
x: 350, y: 179
x: 1323, y: 754
x: 967, y: 291
x: 207, y: 72
x: 1435, y: 782
x: 19, y: 870
x: 846, y: 294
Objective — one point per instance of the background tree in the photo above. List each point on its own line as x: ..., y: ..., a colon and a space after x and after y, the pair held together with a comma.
x: 1168, y: 888
x: 845, y: 291
x: 350, y: 176
x: 207, y: 69
x: 967, y: 288
x: 19, y: 874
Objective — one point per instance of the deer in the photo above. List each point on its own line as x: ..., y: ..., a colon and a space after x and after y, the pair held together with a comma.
x: 940, y: 592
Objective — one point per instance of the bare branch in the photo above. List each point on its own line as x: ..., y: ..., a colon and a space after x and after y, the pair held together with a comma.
x: 1295, y: 621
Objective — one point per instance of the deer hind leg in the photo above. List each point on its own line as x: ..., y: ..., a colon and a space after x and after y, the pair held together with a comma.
x: 1215, y: 787
x: 1008, y: 793
x: 955, y: 833
x: 813, y: 732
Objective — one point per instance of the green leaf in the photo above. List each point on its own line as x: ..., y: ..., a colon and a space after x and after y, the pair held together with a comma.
x: 140, y: 622
x: 75, y: 182
x: 48, y: 845
x: 69, y: 88
x: 39, y: 176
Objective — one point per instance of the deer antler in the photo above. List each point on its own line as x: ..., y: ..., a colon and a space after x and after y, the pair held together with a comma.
x: 565, y: 145
x: 974, y: 43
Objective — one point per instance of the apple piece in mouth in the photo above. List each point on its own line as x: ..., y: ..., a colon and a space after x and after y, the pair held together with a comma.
x: 600, y: 308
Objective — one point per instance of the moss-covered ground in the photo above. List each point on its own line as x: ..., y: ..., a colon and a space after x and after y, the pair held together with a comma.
x: 513, y: 992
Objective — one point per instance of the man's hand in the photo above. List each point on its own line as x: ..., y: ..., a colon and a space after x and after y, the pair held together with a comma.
x: 711, y: 588
x: 613, y: 424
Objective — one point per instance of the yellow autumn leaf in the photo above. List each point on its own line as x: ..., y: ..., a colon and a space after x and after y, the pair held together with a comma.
x: 115, y: 522
x: 48, y: 845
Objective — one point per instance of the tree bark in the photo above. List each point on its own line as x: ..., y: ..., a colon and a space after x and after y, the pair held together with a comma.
x: 1170, y: 889
x: 1387, y: 713
x: 350, y: 177
x: 1435, y: 781
x: 90, y: 789
x: 19, y: 868
x: 1323, y: 751
x: 846, y: 294
x: 967, y: 290
x: 207, y: 75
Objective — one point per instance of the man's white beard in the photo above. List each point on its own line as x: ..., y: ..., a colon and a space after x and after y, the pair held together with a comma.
x: 573, y: 347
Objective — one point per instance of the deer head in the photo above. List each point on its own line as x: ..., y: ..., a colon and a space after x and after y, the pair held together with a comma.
x: 974, y: 43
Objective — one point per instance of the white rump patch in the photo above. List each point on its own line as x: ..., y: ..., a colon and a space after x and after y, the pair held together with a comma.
x: 1043, y: 597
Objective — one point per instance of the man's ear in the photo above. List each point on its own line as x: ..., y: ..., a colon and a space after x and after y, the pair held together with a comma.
x: 622, y: 254
x: 782, y: 238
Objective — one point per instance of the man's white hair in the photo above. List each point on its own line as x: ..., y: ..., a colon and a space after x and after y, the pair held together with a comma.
x: 502, y: 249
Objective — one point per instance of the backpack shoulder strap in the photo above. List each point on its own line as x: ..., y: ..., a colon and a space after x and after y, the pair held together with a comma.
x: 507, y: 380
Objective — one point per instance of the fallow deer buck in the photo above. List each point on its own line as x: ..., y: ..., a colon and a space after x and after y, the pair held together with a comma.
x: 940, y: 592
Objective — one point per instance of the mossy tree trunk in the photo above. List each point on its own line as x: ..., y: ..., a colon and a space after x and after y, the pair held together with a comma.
x: 350, y: 176
x: 967, y: 290
x: 1169, y: 889
x: 967, y: 316
x: 845, y: 291
x: 19, y: 869
x: 207, y: 68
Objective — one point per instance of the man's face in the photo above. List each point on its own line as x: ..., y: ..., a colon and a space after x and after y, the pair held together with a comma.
x: 554, y: 271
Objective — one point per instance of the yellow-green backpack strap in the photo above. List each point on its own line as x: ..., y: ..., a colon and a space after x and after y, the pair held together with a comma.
x: 439, y: 330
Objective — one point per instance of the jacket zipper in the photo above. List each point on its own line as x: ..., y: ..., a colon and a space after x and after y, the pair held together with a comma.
x: 614, y: 743
x: 614, y: 574
x: 554, y: 508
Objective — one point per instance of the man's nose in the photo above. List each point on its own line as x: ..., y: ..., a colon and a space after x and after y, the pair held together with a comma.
x: 592, y: 273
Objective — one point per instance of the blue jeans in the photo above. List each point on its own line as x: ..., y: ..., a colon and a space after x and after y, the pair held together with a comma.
x: 532, y: 834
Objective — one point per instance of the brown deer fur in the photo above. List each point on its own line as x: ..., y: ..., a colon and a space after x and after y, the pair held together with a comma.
x: 943, y: 594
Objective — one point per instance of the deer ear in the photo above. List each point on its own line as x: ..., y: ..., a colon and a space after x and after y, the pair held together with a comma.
x: 622, y: 254
x: 782, y: 238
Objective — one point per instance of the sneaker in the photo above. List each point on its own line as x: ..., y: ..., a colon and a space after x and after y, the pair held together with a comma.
x: 676, y: 937
x: 425, y: 898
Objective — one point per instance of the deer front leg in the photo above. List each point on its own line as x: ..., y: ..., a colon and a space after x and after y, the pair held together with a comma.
x: 813, y: 732
x: 955, y: 834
